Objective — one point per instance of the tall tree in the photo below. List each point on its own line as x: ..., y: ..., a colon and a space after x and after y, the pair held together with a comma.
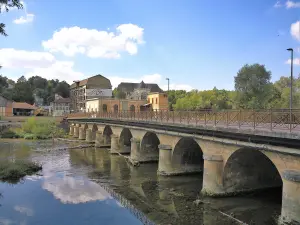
x: 22, y: 91
x: 6, y: 5
x: 63, y: 89
x: 253, y: 86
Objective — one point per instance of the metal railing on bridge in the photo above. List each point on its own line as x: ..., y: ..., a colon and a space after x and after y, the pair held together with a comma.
x: 271, y: 119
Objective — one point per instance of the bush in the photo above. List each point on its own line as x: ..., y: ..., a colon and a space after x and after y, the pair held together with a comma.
x: 9, y: 134
x: 39, y: 129
x: 12, y: 172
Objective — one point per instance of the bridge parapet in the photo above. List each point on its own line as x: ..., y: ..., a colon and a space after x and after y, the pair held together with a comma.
x: 282, y: 122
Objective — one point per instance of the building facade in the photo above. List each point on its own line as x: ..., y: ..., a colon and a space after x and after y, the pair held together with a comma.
x: 114, y: 105
x: 5, y: 107
x: 138, y: 91
x: 94, y: 87
x: 158, y: 101
x: 60, y: 106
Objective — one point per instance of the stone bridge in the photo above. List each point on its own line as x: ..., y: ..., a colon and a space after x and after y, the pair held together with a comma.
x: 232, y: 162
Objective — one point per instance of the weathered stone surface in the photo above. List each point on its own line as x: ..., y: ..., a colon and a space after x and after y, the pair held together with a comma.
x: 81, y: 133
x: 290, y: 211
x: 71, y: 133
x: 76, y: 132
x: 89, y: 135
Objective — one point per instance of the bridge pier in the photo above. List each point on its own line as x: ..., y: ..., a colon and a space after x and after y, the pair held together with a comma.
x: 165, y: 160
x: 135, y: 153
x: 115, y: 145
x: 213, y: 175
x: 71, y: 132
x: 290, y: 196
x: 76, y: 131
x: 81, y: 135
x: 99, y: 142
x: 88, y: 136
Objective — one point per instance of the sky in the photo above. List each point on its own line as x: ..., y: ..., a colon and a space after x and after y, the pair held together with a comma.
x: 197, y: 44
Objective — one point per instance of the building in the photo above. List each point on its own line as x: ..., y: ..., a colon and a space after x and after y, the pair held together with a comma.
x: 60, y: 106
x: 153, y: 101
x: 158, y: 101
x: 23, y: 109
x: 113, y: 105
x: 94, y: 87
x: 5, y: 107
x: 138, y: 91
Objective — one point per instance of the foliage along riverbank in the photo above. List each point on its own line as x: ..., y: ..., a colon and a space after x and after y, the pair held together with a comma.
x: 34, y: 128
x: 12, y: 172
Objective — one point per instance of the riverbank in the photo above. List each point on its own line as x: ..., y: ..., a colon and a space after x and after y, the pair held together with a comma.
x: 34, y: 128
x: 12, y: 172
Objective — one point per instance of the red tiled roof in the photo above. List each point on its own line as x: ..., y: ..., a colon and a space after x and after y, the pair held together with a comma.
x: 22, y: 105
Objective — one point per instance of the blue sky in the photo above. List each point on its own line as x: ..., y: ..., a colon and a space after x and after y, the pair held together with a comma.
x: 196, y: 43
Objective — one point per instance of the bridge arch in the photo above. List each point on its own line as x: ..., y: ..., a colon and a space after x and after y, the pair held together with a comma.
x: 94, y: 130
x: 85, y: 126
x: 124, y: 140
x: 248, y: 169
x: 107, y: 132
x: 187, y: 156
x: 149, y: 147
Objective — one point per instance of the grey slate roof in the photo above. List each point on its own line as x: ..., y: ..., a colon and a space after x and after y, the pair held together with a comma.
x: 129, y: 87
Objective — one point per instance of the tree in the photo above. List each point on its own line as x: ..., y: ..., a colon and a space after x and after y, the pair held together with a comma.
x: 22, y: 91
x: 253, y: 86
x: 6, y: 5
x: 63, y: 89
x: 119, y: 94
x: 37, y: 82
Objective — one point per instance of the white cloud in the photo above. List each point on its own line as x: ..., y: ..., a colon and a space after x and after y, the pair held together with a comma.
x: 295, y: 30
x: 61, y: 70
x: 12, y: 58
x: 43, y: 64
x: 28, y: 18
x: 24, y: 210
x: 96, y: 43
x: 290, y: 4
x: 277, y: 4
x: 295, y: 61
x: 153, y: 78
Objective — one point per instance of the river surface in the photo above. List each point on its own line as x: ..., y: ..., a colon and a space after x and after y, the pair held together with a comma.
x: 90, y: 186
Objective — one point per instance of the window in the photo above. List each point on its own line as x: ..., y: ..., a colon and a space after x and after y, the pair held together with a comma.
x: 155, y: 100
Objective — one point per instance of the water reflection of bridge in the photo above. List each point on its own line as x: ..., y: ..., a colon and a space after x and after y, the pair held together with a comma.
x: 153, y: 195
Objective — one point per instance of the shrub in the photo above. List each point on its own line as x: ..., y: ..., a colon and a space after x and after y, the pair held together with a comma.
x: 9, y: 134
x: 12, y: 172
x: 39, y: 129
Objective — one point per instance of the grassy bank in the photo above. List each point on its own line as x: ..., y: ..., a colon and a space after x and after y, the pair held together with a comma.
x: 34, y: 128
x: 12, y: 172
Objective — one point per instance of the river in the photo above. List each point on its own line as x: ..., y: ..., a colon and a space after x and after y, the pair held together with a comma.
x: 91, y: 186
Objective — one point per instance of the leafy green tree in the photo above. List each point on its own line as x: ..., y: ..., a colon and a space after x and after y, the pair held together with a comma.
x: 173, y: 95
x: 6, y: 5
x: 119, y: 94
x: 253, y: 86
x: 37, y: 82
x: 22, y: 91
x: 63, y: 89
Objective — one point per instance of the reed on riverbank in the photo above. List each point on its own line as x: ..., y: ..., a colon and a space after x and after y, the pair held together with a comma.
x: 34, y: 128
x: 12, y: 172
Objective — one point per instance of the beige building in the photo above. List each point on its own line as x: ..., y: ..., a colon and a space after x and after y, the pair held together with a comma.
x: 158, y: 101
x: 114, y: 105
x: 94, y: 87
